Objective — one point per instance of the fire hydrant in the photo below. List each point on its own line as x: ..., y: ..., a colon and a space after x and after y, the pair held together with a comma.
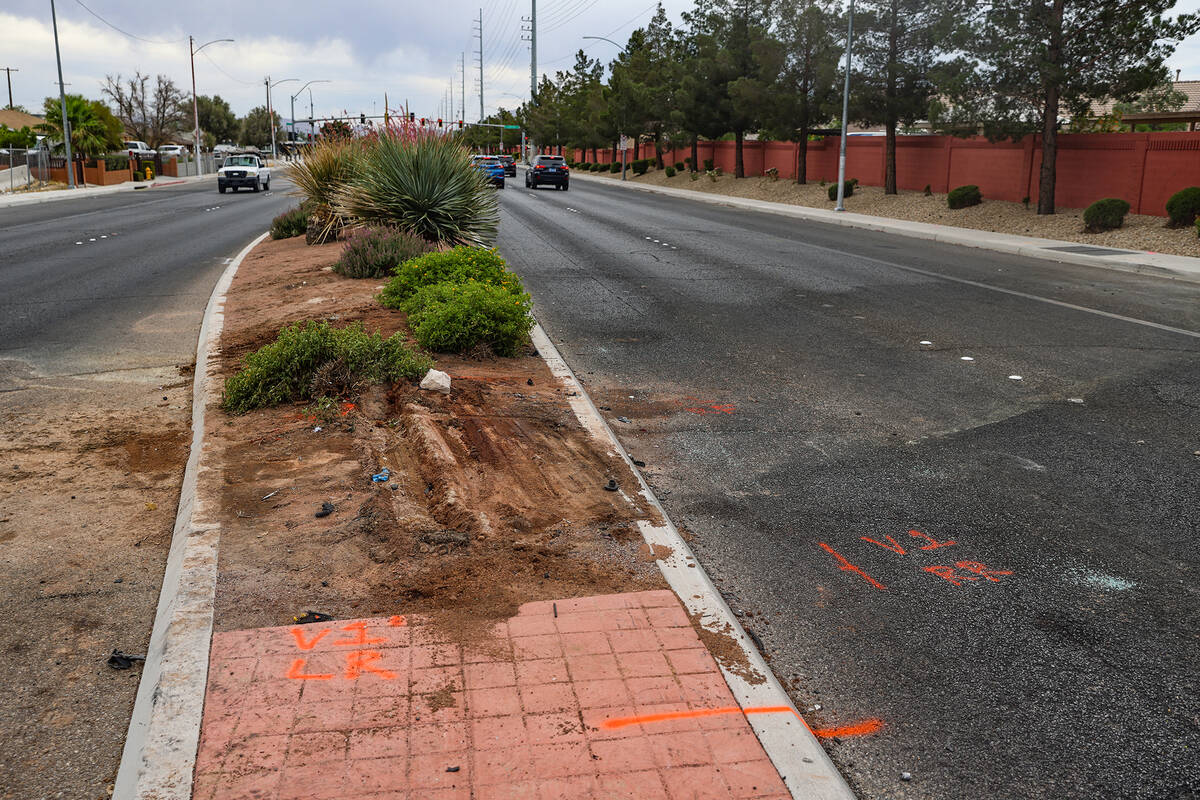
x: 149, y: 173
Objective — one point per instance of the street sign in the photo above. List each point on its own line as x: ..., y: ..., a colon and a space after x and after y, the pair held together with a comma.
x: 624, y: 143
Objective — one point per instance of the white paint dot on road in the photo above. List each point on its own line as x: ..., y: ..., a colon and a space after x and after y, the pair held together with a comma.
x: 1076, y: 400
x: 79, y: 243
x: 102, y: 236
x: 647, y: 238
x: 966, y: 358
x: 925, y: 342
x: 91, y: 240
x: 1014, y: 377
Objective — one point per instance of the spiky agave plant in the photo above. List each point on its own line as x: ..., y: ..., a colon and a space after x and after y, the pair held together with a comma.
x: 325, y: 169
x: 423, y: 185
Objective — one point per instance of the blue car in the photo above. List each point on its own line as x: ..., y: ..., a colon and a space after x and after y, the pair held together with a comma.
x: 491, y: 167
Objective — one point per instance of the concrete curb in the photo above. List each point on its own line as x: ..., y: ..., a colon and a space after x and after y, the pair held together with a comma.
x: 1159, y: 265
x: 37, y: 198
x: 164, y: 730
x: 788, y: 741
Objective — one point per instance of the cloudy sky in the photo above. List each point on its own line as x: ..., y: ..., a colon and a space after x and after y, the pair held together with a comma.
x: 410, y: 50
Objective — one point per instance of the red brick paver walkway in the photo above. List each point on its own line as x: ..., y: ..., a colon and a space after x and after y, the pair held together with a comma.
x: 392, y: 709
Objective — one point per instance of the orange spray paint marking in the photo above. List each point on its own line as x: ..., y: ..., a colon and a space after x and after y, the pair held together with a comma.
x: 358, y: 641
x: 846, y: 566
x: 981, y: 570
x: 934, y: 544
x: 863, y: 728
x: 893, y: 545
x: 398, y: 621
x: 360, y: 661
x: 298, y: 634
x: 295, y: 673
x: 347, y: 408
x: 948, y: 573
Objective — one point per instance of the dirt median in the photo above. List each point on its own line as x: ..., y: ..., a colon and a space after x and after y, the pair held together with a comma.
x: 495, y: 496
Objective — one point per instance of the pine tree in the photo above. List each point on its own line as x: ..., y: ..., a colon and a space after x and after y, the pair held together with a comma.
x: 807, y: 32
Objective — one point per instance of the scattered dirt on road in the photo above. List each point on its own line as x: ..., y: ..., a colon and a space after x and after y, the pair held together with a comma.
x: 1140, y: 232
x: 89, y: 484
x: 727, y: 650
x: 495, y: 493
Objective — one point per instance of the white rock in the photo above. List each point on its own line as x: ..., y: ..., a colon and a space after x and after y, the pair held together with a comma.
x: 436, y: 381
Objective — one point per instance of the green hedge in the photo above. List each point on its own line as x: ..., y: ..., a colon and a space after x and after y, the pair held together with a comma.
x: 1183, y: 207
x: 460, y: 265
x: 847, y: 192
x: 458, y: 317
x: 1105, y: 215
x: 964, y: 196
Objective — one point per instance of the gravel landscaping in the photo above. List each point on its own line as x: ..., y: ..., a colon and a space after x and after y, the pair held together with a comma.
x: 1140, y: 232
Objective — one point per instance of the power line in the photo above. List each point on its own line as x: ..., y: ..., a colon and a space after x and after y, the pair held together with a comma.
x: 556, y: 25
x: 226, y: 74
x: 119, y: 30
x: 610, y: 33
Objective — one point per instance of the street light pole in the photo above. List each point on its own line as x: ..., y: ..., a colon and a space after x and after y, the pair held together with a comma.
x: 620, y: 133
x: 192, y: 50
x: 271, y: 112
x: 62, y: 99
x: 299, y: 92
x: 841, y: 191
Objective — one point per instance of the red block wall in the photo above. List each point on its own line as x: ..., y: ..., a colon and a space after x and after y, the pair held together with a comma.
x: 1143, y: 168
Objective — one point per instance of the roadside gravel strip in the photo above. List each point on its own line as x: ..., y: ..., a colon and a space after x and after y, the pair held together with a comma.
x: 791, y: 745
x: 160, y: 748
x: 1183, y: 268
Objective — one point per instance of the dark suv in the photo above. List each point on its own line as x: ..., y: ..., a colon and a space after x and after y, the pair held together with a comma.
x: 551, y: 170
x: 510, y: 165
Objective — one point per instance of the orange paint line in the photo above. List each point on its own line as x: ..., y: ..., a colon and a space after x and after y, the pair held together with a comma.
x: 846, y: 566
x: 859, y: 729
x: 621, y: 722
x: 295, y: 673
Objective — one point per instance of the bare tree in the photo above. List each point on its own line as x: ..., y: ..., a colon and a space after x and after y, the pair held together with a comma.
x: 150, y: 113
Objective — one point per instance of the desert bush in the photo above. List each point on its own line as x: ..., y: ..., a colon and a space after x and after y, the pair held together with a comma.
x: 964, y: 196
x: 708, y: 164
x: 640, y: 166
x: 315, y: 354
x: 323, y: 172
x: 694, y: 175
x: 1183, y: 207
x: 424, y: 186
x: 614, y: 166
x: 375, y: 252
x: 460, y: 265
x: 846, y: 192
x: 928, y: 191
x: 713, y: 174
x: 772, y: 173
x: 586, y: 165
x: 1105, y: 215
x: 290, y: 223
x: 670, y: 172
x: 680, y: 166
x: 458, y: 317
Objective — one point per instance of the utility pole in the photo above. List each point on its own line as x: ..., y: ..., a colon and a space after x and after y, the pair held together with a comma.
x: 62, y: 99
x: 192, y: 50
x: 10, y: 71
x: 530, y: 27
x: 841, y: 191
x: 481, y: 65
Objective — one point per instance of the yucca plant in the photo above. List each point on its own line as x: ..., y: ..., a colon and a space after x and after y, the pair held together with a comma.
x: 325, y: 169
x: 425, y: 186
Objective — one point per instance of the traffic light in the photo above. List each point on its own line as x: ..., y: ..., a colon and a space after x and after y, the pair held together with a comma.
x: 439, y: 122
x: 412, y: 115
x: 460, y: 124
x: 362, y: 118
x: 422, y: 120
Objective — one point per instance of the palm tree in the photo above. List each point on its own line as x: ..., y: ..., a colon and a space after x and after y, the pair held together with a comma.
x: 94, y: 129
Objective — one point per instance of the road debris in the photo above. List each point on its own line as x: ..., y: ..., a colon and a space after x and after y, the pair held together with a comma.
x: 436, y: 381
x: 381, y: 476
x: 326, y: 510
x: 309, y: 617
x: 119, y: 660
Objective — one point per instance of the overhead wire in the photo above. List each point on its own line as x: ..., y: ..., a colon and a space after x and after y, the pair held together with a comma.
x: 576, y: 15
x: 125, y: 32
x: 626, y: 24
x: 226, y: 74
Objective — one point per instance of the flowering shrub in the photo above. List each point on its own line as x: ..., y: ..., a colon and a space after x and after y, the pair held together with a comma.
x: 375, y: 252
x: 460, y: 265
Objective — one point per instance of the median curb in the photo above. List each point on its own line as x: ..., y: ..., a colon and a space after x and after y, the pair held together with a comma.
x: 164, y: 729
x: 1184, y: 268
x: 802, y: 763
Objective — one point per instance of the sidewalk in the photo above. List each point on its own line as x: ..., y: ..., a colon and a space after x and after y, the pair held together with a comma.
x: 1145, y: 263
x: 54, y: 195
x: 611, y: 696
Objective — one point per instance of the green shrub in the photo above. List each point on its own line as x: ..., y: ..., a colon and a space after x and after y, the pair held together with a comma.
x: 424, y: 186
x: 846, y: 192
x: 1183, y: 207
x: 928, y: 190
x: 116, y: 161
x: 457, y: 317
x: 460, y: 265
x: 614, y: 166
x: 670, y: 172
x: 315, y: 359
x: 679, y: 166
x: 290, y: 223
x: 586, y: 165
x: 375, y: 252
x: 708, y: 164
x: 1198, y: 226
x: 964, y: 196
x: 640, y: 166
x: 688, y: 160
x: 1105, y: 215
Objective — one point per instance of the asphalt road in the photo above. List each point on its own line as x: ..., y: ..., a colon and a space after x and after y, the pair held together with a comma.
x: 119, y: 281
x: 1039, y: 637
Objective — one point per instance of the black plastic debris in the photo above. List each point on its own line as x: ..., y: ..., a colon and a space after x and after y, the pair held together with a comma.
x: 611, y: 486
x: 326, y: 510
x: 529, y: 382
x: 452, y: 769
x: 309, y: 617
x: 625, y: 420
x: 119, y: 660
x: 637, y: 463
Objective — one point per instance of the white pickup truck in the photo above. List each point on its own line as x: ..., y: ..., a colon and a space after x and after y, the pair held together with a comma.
x: 140, y: 150
x: 243, y: 171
